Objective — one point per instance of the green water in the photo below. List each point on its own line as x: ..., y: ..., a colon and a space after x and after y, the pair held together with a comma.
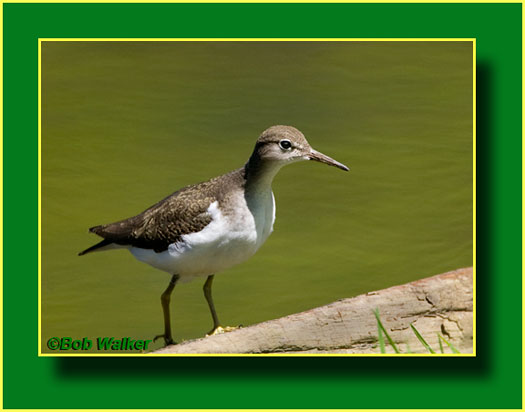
x: 126, y: 123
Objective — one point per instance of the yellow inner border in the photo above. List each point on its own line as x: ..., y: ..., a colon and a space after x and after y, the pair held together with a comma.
x: 60, y: 354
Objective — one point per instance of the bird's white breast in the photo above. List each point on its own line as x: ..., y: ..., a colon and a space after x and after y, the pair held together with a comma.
x: 235, y: 233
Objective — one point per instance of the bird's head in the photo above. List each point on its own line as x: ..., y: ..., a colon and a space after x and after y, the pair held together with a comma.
x: 281, y: 145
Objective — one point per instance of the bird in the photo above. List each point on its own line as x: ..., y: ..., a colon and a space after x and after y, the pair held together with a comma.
x: 206, y: 228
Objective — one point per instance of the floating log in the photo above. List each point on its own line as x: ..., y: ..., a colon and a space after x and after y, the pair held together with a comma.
x: 439, y: 304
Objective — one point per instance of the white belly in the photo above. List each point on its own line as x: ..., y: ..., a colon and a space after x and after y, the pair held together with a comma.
x: 229, y: 239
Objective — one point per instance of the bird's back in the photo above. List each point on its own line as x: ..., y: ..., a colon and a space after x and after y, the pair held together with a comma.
x: 183, y: 212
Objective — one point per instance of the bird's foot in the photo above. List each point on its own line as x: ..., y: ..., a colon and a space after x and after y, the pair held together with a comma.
x: 167, y: 340
x: 222, y: 329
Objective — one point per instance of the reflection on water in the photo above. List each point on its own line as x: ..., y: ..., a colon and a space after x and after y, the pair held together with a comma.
x: 126, y: 123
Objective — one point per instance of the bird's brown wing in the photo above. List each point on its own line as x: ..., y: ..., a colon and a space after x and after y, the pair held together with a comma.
x: 164, y: 223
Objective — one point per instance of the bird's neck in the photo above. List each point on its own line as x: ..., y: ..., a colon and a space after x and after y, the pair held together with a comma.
x: 259, y: 173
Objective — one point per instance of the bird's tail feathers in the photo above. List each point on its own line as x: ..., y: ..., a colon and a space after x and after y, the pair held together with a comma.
x: 99, y: 247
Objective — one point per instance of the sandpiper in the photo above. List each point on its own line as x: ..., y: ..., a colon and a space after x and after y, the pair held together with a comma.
x: 203, y: 229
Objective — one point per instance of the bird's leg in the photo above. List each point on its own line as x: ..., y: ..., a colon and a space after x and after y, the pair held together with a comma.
x: 217, y: 328
x: 209, y: 299
x: 165, y: 301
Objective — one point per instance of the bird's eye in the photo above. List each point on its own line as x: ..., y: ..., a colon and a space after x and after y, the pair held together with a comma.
x: 285, y: 144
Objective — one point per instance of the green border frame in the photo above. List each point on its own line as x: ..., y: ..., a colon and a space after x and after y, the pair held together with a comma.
x: 493, y: 379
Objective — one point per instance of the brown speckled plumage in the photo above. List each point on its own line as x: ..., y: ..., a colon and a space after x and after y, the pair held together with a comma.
x: 181, y: 213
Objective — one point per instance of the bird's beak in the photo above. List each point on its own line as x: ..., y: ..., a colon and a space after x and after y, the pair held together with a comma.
x: 318, y: 156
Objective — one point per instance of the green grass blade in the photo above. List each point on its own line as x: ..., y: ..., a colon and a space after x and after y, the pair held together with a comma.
x: 452, y: 348
x: 440, y: 344
x: 380, y: 325
x: 380, y: 339
x: 423, y: 341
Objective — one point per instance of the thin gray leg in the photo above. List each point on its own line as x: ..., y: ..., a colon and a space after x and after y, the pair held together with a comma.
x: 165, y: 301
x: 209, y: 299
